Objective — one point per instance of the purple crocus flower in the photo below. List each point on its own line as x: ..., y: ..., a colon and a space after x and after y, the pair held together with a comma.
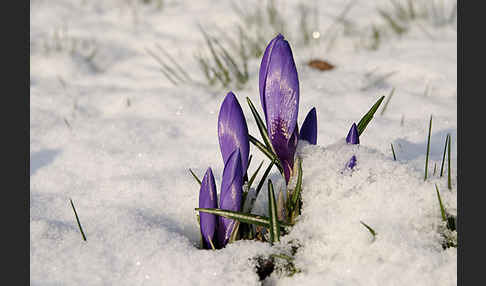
x: 230, y: 196
x: 352, y: 162
x: 279, y: 96
x: 232, y: 130
x: 352, y: 138
x: 208, y: 199
x: 308, y: 130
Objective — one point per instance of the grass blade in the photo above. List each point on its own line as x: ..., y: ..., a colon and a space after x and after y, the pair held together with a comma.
x: 387, y: 101
x: 272, y: 209
x: 397, y: 28
x: 166, y: 69
x: 393, y: 151
x: 242, y: 217
x: 444, y: 154
x: 449, y: 185
x: 428, y: 150
x: 372, y: 231
x: 77, y: 219
x: 176, y: 64
x: 195, y: 177
x: 254, y: 174
x: 368, y: 116
x: 225, y: 79
x: 442, y: 210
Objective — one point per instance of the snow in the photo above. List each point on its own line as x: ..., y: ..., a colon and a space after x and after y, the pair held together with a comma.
x: 116, y: 137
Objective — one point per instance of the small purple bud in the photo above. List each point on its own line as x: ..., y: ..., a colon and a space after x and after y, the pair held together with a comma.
x: 230, y: 196
x: 232, y: 130
x: 279, y: 96
x: 351, y: 163
x: 308, y: 130
x: 208, y: 199
x: 353, y: 136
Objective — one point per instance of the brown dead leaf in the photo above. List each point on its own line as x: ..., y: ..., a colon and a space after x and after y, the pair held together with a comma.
x: 320, y: 65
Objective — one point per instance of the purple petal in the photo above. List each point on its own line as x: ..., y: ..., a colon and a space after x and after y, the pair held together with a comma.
x: 353, y: 136
x: 264, y: 69
x: 208, y: 199
x: 230, y: 196
x: 351, y: 163
x: 232, y: 130
x: 309, y: 127
x: 279, y: 95
x: 281, y: 91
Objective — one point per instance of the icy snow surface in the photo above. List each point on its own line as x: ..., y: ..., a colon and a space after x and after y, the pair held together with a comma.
x: 110, y: 132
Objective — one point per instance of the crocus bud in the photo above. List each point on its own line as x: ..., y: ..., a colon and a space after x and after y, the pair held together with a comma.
x: 208, y: 199
x: 308, y: 130
x: 351, y: 163
x: 279, y: 96
x: 230, y: 196
x: 353, y: 136
x: 232, y: 130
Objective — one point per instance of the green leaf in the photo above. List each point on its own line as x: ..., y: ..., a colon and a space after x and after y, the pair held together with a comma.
x: 249, y: 162
x: 428, y: 150
x: 295, y: 199
x: 243, y: 217
x: 442, y: 210
x: 77, y: 219
x: 234, y: 233
x: 195, y: 177
x: 262, y: 148
x: 264, y: 177
x: 260, y: 185
x: 372, y: 231
x: 272, y: 208
x: 261, y: 126
x: 368, y: 116
x: 255, y: 174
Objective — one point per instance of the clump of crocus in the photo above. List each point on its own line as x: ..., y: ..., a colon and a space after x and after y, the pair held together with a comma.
x: 234, y: 146
x: 216, y: 231
x: 279, y: 97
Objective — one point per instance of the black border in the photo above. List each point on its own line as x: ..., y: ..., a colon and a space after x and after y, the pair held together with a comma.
x: 15, y: 199
x: 470, y: 111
